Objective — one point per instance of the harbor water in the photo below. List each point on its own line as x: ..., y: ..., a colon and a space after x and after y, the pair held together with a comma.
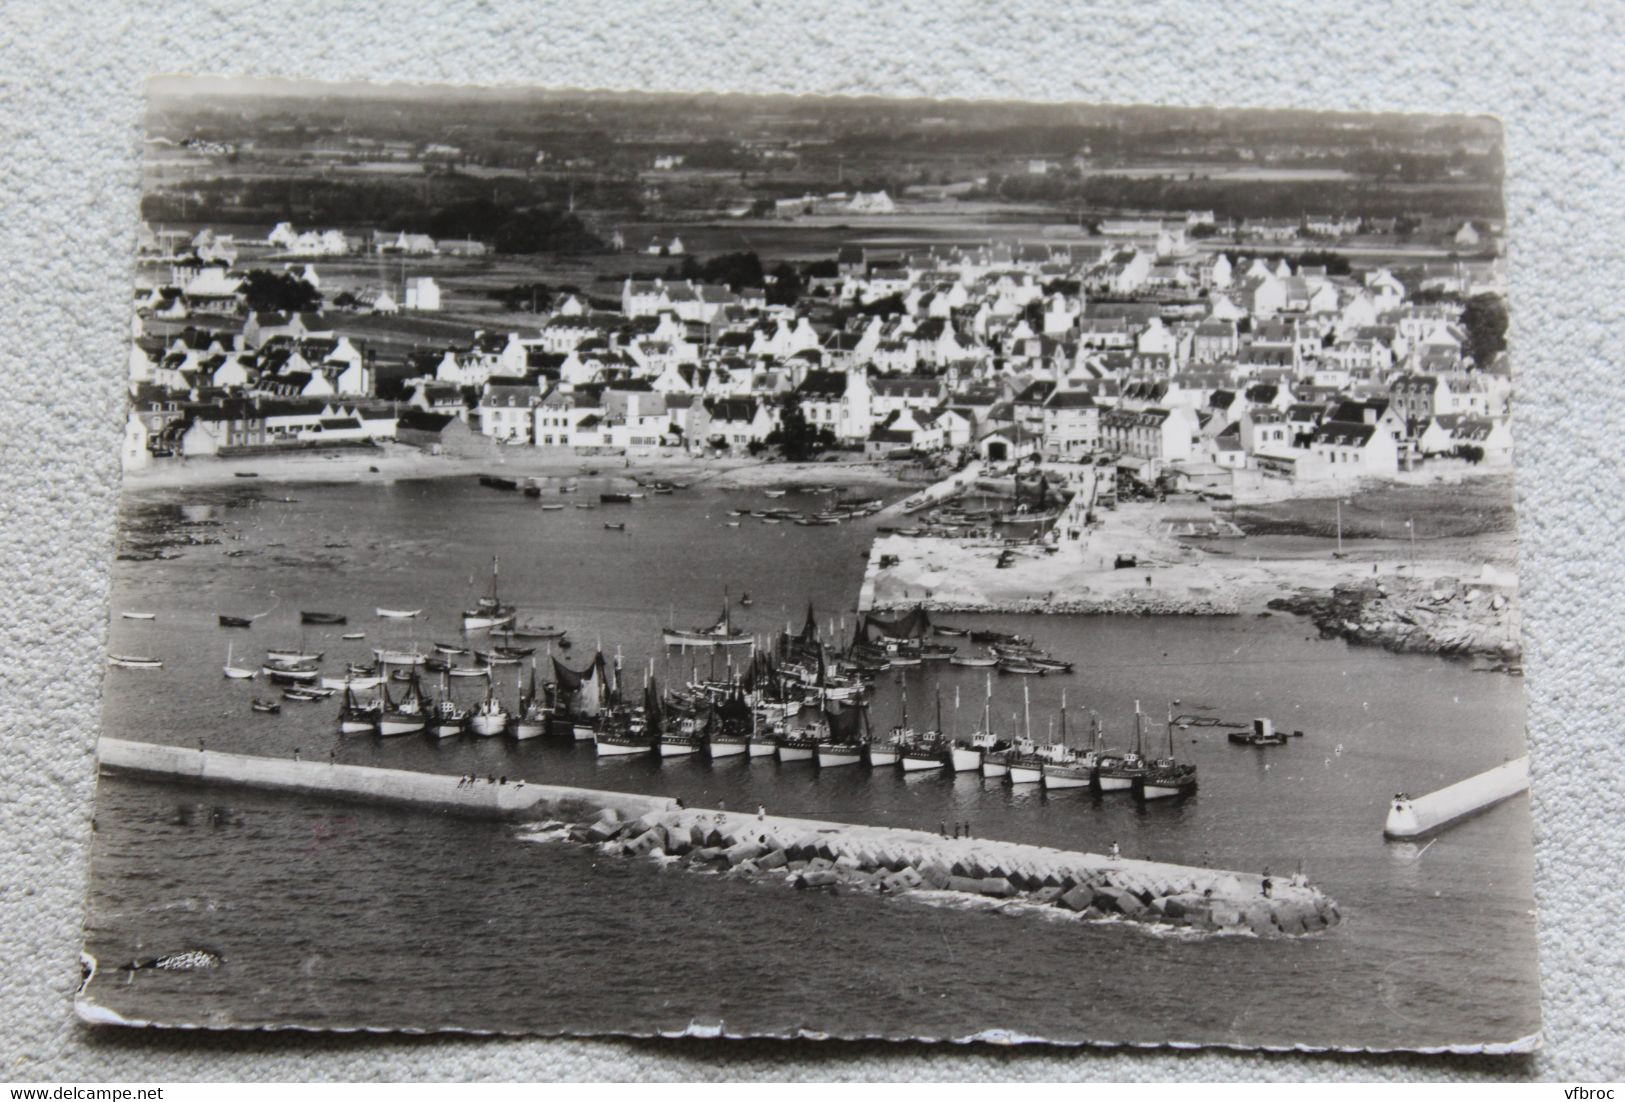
x: 341, y: 916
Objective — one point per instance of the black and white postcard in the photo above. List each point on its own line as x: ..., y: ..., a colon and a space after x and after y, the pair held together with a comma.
x: 786, y: 567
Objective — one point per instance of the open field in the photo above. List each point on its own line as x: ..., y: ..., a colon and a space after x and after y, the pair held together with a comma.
x: 1474, y: 507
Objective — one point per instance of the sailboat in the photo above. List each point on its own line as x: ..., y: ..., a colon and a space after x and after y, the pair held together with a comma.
x: 720, y: 634
x: 1118, y: 770
x: 236, y: 673
x: 534, y: 715
x: 624, y: 731
x: 447, y: 718
x: 1166, y: 778
x: 490, y: 612
x: 406, y: 716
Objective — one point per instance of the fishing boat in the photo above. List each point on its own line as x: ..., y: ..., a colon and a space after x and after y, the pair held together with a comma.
x: 533, y: 491
x: 800, y: 743
x: 134, y: 662
x: 1026, y: 762
x: 1166, y: 778
x: 236, y: 673
x: 323, y: 618
x: 367, y: 681
x: 534, y: 716
x: 730, y: 733
x: 469, y: 671
x: 398, y: 613
x: 307, y: 695
x: 621, y: 732
x: 353, y: 635
x: 447, y: 719
x: 1067, y: 768
x: 267, y: 707
x: 978, y: 661
x: 139, y: 615
x: 450, y: 649
x: 490, y: 718
x: 744, y: 599
x: 357, y: 716
x: 615, y: 499
x: 944, y: 629
x: 997, y: 637
x: 495, y: 657
x: 499, y: 482
x: 404, y: 717
x: 889, y: 751
x: 489, y: 612
x: 966, y: 755
x: 579, y: 697
x: 1261, y: 733
x: 235, y: 621
x: 615, y: 526
x: 1049, y: 665
x: 681, y: 734
x: 775, y: 493
x: 553, y: 508
x: 1019, y: 666
x: 1120, y: 770
x: 720, y: 634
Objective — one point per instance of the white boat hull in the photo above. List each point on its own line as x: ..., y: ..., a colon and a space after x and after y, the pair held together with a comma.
x: 240, y: 675
x: 828, y: 759
x: 966, y: 761
x: 994, y: 768
x: 763, y: 748
x: 401, y: 725
x: 1063, y: 780
x: 581, y: 733
x: 477, y: 623
x: 1160, y: 792
x: 355, y: 726
x: 920, y: 765
x: 617, y: 750
x: 726, y: 749
x: 351, y: 682
x: 447, y: 730
x: 678, y: 749
x: 702, y: 642
x: 1115, y: 784
x: 795, y: 753
x: 488, y: 725
x: 1025, y: 774
x: 881, y: 757
x: 530, y: 728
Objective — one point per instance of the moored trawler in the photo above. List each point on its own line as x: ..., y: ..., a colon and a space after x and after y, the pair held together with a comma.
x: 847, y: 741
x: 448, y: 719
x: 1166, y: 778
x: 1119, y: 770
x: 731, y: 732
x: 405, y: 717
x: 683, y: 735
x: 490, y: 718
x: 621, y: 732
x: 356, y: 716
x: 801, y: 743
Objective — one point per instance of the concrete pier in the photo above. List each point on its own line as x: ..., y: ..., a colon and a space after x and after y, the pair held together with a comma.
x: 1418, y: 816
x: 806, y: 854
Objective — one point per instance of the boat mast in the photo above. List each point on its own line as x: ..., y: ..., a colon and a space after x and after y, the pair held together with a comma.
x: 1063, y: 717
x: 1027, y: 709
x: 987, y: 709
x: 1139, y: 731
x: 1170, y: 732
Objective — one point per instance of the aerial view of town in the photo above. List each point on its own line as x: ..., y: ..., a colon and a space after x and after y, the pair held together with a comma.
x: 951, y: 511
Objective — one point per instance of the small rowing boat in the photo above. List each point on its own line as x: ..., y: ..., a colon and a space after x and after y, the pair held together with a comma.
x: 323, y: 618
x: 399, y: 613
x: 268, y: 707
x: 354, y: 635
x: 139, y: 615
x: 134, y: 662
x: 617, y: 527
x: 236, y: 621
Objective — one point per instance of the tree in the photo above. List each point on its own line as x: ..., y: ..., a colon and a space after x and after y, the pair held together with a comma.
x: 796, y: 437
x: 784, y: 288
x: 265, y: 292
x: 1485, y: 319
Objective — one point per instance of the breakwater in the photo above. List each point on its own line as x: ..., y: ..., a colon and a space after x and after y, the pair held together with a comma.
x: 1423, y: 615
x: 802, y: 853
x: 1419, y: 816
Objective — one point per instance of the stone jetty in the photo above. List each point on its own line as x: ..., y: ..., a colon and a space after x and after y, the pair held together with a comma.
x: 804, y: 854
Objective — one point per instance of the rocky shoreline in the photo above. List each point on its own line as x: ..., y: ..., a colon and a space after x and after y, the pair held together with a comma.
x: 1113, y: 604
x: 1418, y: 615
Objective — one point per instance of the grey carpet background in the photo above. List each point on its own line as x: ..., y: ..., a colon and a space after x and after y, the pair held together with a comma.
x: 70, y: 107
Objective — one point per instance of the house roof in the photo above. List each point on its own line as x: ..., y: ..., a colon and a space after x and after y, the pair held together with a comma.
x: 1345, y: 433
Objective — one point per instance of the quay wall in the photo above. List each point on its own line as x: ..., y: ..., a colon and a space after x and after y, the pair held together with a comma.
x: 515, y: 800
x: 803, y: 853
x: 1415, y: 817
